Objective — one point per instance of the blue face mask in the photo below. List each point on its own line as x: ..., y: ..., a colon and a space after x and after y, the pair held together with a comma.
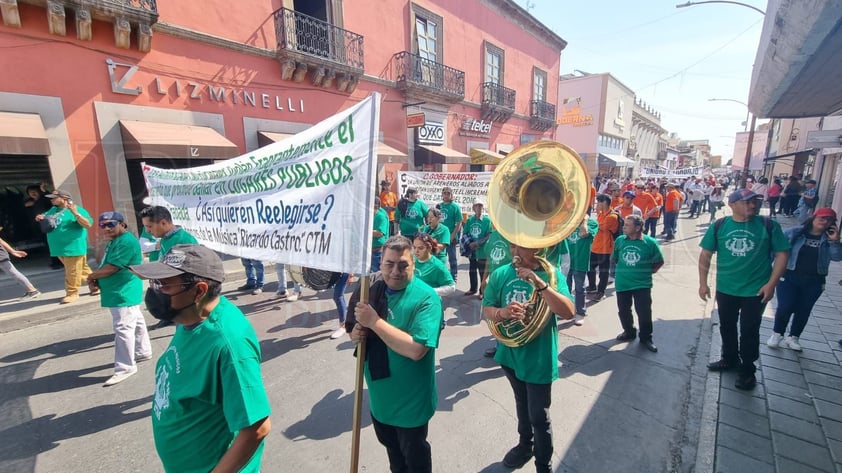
x: 160, y: 305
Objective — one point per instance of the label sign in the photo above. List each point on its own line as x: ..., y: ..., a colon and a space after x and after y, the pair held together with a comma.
x: 475, y: 128
x: 467, y: 186
x: 415, y: 120
x: 431, y: 134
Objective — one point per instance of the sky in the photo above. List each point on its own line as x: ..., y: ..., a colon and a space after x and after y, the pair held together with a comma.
x: 675, y: 59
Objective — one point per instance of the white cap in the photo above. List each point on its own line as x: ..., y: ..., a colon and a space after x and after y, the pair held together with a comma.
x: 479, y: 202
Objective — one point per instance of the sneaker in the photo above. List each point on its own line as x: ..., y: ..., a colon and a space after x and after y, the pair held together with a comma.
x: 590, y: 291
x: 118, y: 378
x: 746, y: 382
x: 246, y: 287
x: 281, y: 295
x: 792, y: 343
x: 721, y: 365
x: 293, y: 297
x: 257, y: 291
x: 579, y: 319
x: 140, y: 358
x: 340, y: 332
x: 598, y: 296
x: 774, y: 340
x: 31, y: 294
x: 518, y: 456
x: 69, y: 299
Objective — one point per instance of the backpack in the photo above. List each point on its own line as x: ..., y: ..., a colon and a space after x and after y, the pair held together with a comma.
x: 620, y: 223
x: 767, y: 222
x: 402, y: 206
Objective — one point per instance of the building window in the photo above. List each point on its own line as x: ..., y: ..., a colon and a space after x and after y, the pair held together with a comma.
x: 494, y: 60
x: 539, y: 85
x: 428, y: 34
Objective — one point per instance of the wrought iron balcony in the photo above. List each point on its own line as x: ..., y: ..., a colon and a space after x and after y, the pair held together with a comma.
x: 498, y: 102
x: 330, y: 52
x: 423, y: 78
x: 541, y: 115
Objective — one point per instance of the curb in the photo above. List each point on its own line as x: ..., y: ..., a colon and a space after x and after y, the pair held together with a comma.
x: 706, y: 450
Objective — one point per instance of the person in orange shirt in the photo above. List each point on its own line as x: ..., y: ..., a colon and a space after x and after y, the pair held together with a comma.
x: 627, y: 206
x: 652, y: 222
x: 389, y: 202
x: 602, y: 247
x: 644, y: 201
x: 672, y: 205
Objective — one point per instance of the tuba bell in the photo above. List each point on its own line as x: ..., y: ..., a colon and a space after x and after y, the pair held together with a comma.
x: 537, y: 196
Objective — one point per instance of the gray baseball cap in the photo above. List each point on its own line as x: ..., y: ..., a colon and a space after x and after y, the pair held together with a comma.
x: 184, y: 259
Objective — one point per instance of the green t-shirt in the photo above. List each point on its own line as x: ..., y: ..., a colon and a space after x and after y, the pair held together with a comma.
x: 498, y: 252
x: 407, y: 398
x: 478, y: 228
x: 179, y: 236
x: 413, y: 219
x: 68, y: 238
x: 451, y: 215
x: 580, y: 247
x: 208, y: 387
x: 123, y: 288
x: 442, y: 235
x: 433, y: 272
x: 743, y: 248
x: 537, y: 361
x: 381, y: 223
x: 634, y: 262
x: 154, y: 255
x: 557, y: 251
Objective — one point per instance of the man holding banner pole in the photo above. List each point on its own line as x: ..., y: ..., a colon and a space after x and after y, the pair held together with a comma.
x: 400, y: 325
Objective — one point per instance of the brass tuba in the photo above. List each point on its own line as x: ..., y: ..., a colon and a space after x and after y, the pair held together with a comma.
x: 537, y: 197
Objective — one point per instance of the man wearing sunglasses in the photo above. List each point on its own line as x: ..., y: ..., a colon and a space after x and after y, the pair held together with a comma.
x: 122, y: 293
x: 210, y: 411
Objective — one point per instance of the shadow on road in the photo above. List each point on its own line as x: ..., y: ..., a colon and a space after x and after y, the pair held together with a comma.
x: 330, y: 417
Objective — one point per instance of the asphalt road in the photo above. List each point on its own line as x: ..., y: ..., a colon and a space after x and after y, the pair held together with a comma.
x: 617, y: 407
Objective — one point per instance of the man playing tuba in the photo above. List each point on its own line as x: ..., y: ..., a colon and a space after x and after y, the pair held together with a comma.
x: 533, y: 366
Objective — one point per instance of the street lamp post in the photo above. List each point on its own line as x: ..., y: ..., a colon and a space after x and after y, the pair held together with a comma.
x: 690, y: 4
x: 745, y: 123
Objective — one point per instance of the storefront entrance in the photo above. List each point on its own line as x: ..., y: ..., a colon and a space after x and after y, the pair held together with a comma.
x: 17, y: 172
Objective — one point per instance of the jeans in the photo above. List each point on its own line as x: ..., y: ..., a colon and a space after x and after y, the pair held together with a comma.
x: 254, y: 272
x: 713, y: 208
x: 576, y: 283
x: 706, y: 203
x: 642, y: 299
x: 451, y: 258
x: 603, y: 262
x: 407, y: 448
x: 694, y: 208
x: 532, y: 404
x: 749, y: 312
x: 773, y: 202
x: 280, y: 270
x: 130, y: 337
x: 376, y: 257
x: 796, y: 298
x: 476, y: 269
x: 339, y: 296
x: 76, y: 271
x: 670, y: 219
x: 650, y: 226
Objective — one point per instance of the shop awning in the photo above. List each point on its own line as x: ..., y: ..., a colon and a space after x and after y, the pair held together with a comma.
x: 440, y: 154
x: 621, y: 161
x: 23, y: 133
x: 150, y: 140
x: 789, y: 155
x: 265, y: 138
x: 485, y: 156
x: 387, y: 154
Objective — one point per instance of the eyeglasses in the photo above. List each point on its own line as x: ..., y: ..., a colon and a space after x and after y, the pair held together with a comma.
x: 156, y: 285
x: 108, y: 224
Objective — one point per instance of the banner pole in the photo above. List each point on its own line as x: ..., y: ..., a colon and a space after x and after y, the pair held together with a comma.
x: 358, y: 386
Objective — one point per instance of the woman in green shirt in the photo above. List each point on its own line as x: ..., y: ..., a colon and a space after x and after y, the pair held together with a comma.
x: 439, y: 232
x: 431, y: 270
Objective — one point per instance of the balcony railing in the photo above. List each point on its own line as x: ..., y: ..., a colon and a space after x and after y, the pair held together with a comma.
x: 496, y: 94
x: 415, y: 74
x: 300, y: 33
x: 542, y: 115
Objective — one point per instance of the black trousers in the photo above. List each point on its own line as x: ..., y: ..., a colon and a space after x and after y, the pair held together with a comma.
x: 749, y: 312
x: 642, y: 299
x: 476, y: 268
x: 408, y: 449
x: 532, y: 403
x: 603, y: 262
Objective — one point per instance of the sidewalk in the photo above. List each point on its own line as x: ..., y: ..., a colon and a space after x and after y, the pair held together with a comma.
x: 792, y: 421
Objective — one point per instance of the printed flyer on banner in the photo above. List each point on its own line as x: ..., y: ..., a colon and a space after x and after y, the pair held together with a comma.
x: 467, y: 186
x: 306, y: 200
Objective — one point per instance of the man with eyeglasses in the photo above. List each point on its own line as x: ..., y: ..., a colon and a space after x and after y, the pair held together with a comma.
x: 210, y: 411
x: 68, y: 240
x: 122, y: 293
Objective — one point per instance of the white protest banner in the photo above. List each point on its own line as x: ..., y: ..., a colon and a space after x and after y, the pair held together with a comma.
x: 467, y: 186
x: 671, y: 173
x: 306, y: 200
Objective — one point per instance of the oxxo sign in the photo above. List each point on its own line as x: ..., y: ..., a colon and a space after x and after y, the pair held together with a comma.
x: 431, y: 134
